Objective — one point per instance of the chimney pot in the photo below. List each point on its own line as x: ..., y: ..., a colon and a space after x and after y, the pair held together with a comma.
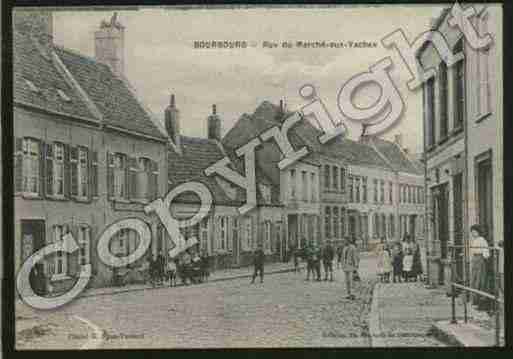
x: 214, y: 125
x: 110, y: 44
x: 214, y: 109
x: 172, y: 121
x: 172, y: 100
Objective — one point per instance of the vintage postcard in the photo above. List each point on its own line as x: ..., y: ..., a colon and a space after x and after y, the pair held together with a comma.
x: 258, y: 176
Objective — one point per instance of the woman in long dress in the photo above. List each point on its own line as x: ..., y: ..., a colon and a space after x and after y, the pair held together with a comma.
x: 479, y: 253
x: 417, y: 261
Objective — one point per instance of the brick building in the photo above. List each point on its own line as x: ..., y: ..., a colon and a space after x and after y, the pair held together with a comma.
x: 87, y: 151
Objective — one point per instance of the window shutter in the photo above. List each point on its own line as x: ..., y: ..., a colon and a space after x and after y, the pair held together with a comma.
x: 49, y: 168
x: 42, y: 184
x: 18, y: 165
x: 126, y: 167
x: 273, y: 241
x: 153, y: 179
x: 73, y: 171
x: 67, y: 171
x: 132, y: 177
x: 73, y: 267
x: 110, y: 175
x: 93, y: 178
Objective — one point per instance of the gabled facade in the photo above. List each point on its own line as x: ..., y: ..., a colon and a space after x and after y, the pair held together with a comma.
x: 87, y: 153
x: 227, y: 237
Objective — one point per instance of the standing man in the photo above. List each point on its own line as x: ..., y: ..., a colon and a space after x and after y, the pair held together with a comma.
x: 309, y: 260
x: 161, y: 265
x: 349, y: 265
x: 328, y: 254
x: 258, y: 262
x: 316, y: 259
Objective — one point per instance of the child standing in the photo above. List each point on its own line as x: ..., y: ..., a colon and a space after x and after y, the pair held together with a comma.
x: 397, y: 263
x: 407, y: 265
x: 386, y: 262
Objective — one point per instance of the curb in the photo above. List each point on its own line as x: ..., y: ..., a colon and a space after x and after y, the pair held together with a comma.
x: 222, y: 279
x: 376, y: 339
x: 469, y: 335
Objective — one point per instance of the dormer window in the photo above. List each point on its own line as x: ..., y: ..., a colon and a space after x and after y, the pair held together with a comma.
x: 63, y: 95
x: 32, y: 87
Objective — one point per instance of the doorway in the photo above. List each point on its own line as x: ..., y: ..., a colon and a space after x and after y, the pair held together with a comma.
x: 33, y: 239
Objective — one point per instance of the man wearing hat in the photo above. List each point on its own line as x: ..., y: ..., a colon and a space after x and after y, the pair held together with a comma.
x: 258, y: 262
x: 328, y: 254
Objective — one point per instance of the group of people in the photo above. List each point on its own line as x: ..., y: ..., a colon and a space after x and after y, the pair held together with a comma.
x: 347, y: 259
x: 401, y: 259
x: 190, y: 267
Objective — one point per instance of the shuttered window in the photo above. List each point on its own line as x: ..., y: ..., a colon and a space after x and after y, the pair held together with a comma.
x: 119, y: 176
x: 31, y: 166
x: 84, y: 243
x: 94, y: 174
x: 58, y: 169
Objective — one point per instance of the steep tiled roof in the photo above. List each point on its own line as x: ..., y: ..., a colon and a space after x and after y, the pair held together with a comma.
x: 304, y: 133
x: 109, y: 93
x: 395, y: 156
x: 197, y: 155
x: 32, y: 64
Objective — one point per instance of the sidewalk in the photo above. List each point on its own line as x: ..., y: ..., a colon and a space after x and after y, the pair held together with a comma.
x: 216, y: 276
x: 408, y: 314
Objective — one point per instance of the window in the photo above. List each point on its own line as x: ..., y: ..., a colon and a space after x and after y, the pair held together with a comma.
x: 442, y: 73
x: 459, y: 93
x: 84, y: 243
x: 351, y: 189
x: 383, y: 225
x: 204, y: 234
x: 364, y: 189
x: 119, y: 176
x: 405, y: 198
x: 400, y: 193
x: 58, y: 169
x: 408, y: 188
x: 293, y: 184
x: 327, y: 222
x: 376, y: 225
x: 142, y: 178
x: 267, y: 236
x: 31, y: 166
x: 375, y: 190
x: 247, y: 233
x: 342, y: 179
x: 58, y: 262
x: 304, y: 186
x: 82, y: 172
x: 390, y: 192
x: 357, y: 187
x: 482, y: 71
x: 222, y: 233
x: 391, y: 226
x: 335, y: 222
x: 335, y: 178
x: 429, y: 112
x: 313, y: 187
x: 382, y: 191
x: 342, y: 222
x: 327, y: 177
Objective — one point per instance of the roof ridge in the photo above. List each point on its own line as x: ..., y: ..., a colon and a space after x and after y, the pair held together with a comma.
x: 77, y: 53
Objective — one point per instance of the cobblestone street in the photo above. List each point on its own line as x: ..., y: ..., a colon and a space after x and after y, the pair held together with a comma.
x: 283, y: 311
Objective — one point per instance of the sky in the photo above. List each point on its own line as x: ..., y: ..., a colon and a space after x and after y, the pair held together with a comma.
x: 160, y: 58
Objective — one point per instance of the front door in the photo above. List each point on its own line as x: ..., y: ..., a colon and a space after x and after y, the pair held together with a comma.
x: 457, y: 186
x: 413, y: 230
x: 33, y: 239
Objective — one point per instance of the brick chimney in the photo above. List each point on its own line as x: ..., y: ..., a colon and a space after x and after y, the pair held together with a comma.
x: 214, y: 125
x: 109, y: 44
x: 172, y: 121
x: 37, y: 23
